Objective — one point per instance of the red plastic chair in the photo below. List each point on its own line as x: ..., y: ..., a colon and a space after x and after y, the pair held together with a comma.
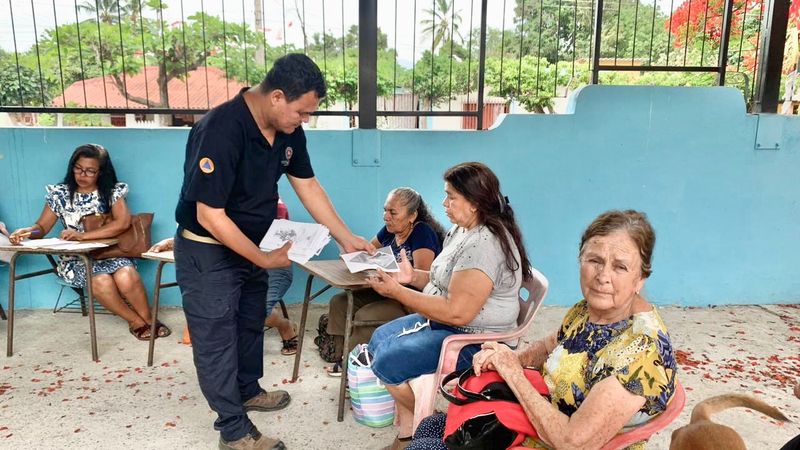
x: 426, y: 386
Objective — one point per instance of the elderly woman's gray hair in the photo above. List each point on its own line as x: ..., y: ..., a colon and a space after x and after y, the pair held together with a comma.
x: 637, y: 226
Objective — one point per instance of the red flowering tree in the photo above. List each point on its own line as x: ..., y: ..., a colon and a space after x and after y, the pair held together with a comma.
x: 697, y: 25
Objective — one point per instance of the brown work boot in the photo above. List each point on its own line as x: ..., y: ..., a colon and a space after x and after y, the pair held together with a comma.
x: 268, y: 401
x: 252, y: 441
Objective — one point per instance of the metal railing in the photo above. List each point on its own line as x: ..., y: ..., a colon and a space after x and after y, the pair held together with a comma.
x: 417, y: 59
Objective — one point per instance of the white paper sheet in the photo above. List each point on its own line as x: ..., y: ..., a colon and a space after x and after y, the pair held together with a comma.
x: 383, y: 258
x: 60, y: 244
x: 308, y: 239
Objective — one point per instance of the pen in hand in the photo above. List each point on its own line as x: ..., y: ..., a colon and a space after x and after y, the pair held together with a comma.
x: 28, y: 234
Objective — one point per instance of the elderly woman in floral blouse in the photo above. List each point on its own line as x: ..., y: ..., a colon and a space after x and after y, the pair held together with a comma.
x: 608, y: 367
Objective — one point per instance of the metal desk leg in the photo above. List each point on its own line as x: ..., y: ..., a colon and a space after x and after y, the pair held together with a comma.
x: 92, y: 329
x: 12, y: 267
x: 154, y: 318
x: 302, y: 331
x: 348, y: 328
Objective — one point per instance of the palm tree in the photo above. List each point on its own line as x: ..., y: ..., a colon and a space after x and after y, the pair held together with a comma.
x: 442, y: 19
x: 108, y: 11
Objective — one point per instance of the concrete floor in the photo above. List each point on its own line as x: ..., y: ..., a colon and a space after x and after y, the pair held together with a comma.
x: 52, y: 396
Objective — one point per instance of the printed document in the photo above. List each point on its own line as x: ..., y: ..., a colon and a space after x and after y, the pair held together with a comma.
x: 308, y: 239
x: 382, y: 259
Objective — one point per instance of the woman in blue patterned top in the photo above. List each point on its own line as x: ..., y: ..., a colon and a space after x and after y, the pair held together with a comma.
x: 408, y: 225
x: 90, y: 187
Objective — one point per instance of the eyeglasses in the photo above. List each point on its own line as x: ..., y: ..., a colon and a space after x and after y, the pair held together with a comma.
x: 78, y: 170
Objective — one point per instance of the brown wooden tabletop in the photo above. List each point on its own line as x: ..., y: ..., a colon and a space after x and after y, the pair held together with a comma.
x: 168, y: 256
x: 334, y: 272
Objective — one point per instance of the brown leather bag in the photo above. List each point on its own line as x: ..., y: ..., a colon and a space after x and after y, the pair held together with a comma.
x: 132, y: 242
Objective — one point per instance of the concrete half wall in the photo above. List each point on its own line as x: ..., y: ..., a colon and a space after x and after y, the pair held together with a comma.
x: 719, y: 185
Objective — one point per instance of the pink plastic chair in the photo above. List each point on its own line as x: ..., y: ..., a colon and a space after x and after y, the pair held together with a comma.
x: 426, y: 386
x: 643, y: 432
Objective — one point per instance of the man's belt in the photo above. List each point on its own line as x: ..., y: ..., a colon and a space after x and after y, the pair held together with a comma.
x: 197, y: 238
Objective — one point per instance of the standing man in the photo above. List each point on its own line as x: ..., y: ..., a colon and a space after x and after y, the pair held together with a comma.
x: 234, y: 158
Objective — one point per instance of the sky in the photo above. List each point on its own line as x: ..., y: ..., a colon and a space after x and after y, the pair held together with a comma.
x: 46, y: 12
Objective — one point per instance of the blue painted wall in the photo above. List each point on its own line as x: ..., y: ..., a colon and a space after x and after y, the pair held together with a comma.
x: 726, y: 211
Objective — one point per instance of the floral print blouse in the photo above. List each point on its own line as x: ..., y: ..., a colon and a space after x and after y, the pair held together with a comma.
x: 637, y: 351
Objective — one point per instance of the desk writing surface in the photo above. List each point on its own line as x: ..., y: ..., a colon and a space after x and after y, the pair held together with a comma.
x: 56, y: 251
x: 168, y: 256
x: 335, y: 273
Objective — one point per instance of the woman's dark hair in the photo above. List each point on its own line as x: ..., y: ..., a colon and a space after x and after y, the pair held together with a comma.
x: 295, y: 74
x: 478, y: 184
x: 637, y: 226
x: 106, y: 176
x: 413, y: 202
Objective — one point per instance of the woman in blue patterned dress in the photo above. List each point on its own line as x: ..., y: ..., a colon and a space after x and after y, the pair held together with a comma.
x: 90, y: 187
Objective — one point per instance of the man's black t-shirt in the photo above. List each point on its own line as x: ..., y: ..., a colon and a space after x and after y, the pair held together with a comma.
x: 229, y: 164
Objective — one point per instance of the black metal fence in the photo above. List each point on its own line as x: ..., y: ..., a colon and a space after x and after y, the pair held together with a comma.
x: 430, y: 57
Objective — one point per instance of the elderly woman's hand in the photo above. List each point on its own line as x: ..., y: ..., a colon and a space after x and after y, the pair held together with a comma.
x: 495, y: 356
x: 406, y: 274
x: 384, y: 284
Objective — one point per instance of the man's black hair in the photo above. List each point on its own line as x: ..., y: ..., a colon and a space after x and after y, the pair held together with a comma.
x: 295, y: 74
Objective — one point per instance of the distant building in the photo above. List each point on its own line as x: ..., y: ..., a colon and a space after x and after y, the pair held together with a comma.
x: 207, y: 88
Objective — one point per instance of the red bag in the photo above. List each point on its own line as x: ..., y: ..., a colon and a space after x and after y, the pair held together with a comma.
x: 478, y: 400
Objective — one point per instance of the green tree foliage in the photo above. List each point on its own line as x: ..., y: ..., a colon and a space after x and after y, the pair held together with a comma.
x: 18, y: 89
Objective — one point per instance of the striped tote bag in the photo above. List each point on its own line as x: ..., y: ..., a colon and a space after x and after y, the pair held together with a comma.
x: 371, y: 402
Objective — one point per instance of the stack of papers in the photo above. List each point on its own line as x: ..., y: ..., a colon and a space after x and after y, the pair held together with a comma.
x: 60, y: 244
x: 308, y: 239
x: 382, y: 259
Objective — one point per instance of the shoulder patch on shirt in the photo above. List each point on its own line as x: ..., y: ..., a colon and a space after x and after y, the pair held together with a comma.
x: 206, y: 165
x: 288, y: 154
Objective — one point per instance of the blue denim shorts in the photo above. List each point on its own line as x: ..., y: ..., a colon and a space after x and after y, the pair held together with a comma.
x: 408, y: 347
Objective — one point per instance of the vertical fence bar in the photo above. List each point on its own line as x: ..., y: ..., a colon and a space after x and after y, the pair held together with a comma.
x: 703, y: 44
x: 433, y: 48
x: 769, y: 69
x: 741, y: 38
x: 469, y: 46
x: 185, y: 64
x: 205, y: 50
x: 122, y: 55
x: 100, y: 53
x: 244, y: 40
x: 519, y: 62
x: 619, y: 17
x: 144, y: 54
x: 38, y: 58
x: 394, y: 68
x: 686, y: 38
x: 283, y: 10
x: 502, y: 44
x: 598, y: 31
x: 414, y: 64
x: 724, y: 43
x: 635, y: 28
x: 758, y: 55
x: 344, y: 49
x: 225, y: 50
x: 450, y: 82
x: 539, y: 45
x: 367, y: 63
x: 58, y: 47
x: 482, y: 64
x: 16, y: 55
x: 652, y: 32
x: 80, y: 52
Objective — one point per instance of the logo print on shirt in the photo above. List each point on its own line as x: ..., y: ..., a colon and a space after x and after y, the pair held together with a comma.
x: 288, y: 154
x: 206, y: 165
